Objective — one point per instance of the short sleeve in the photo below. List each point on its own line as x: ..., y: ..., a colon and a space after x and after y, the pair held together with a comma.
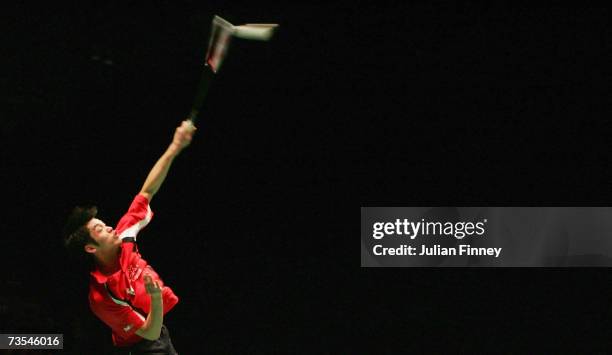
x: 122, y: 319
x: 137, y: 217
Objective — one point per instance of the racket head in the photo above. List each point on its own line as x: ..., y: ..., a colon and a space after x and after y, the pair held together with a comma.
x: 220, y: 38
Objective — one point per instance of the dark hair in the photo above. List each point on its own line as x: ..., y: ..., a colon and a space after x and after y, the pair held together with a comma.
x: 76, y: 235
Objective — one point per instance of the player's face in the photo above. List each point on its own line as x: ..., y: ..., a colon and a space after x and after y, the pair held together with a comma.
x: 104, y: 235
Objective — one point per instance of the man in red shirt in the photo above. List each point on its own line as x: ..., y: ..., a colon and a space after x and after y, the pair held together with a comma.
x: 124, y: 291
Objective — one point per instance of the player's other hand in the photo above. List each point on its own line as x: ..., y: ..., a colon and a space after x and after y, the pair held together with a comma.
x: 151, y: 286
x: 183, y: 134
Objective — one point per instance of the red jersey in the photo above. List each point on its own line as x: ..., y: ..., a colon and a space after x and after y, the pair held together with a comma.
x: 120, y: 300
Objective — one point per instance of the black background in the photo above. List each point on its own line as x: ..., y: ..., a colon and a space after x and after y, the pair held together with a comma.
x: 351, y: 104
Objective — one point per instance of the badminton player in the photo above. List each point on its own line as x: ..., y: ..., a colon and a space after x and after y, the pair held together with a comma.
x: 125, y: 292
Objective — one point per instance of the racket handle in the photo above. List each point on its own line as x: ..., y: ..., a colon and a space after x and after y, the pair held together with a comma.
x: 193, y: 116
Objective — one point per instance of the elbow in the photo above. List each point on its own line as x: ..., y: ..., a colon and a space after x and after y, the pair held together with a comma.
x: 152, y: 335
x: 149, y: 333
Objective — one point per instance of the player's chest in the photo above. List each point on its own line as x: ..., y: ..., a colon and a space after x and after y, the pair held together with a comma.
x: 129, y: 282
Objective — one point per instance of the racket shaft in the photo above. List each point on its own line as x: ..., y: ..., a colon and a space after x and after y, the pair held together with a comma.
x: 203, y: 87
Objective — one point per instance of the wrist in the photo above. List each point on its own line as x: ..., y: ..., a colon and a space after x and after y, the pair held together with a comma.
x: 174, y: 149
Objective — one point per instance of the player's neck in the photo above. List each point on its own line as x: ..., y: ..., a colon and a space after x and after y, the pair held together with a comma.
x: 108, y: 263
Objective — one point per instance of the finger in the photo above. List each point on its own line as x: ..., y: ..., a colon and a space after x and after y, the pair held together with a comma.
x: 190, y: 126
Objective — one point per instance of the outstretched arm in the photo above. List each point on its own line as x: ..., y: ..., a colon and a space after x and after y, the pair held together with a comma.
x: 157, y: 175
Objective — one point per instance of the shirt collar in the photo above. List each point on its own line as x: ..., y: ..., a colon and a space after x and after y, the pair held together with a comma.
x: 98, y: 276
